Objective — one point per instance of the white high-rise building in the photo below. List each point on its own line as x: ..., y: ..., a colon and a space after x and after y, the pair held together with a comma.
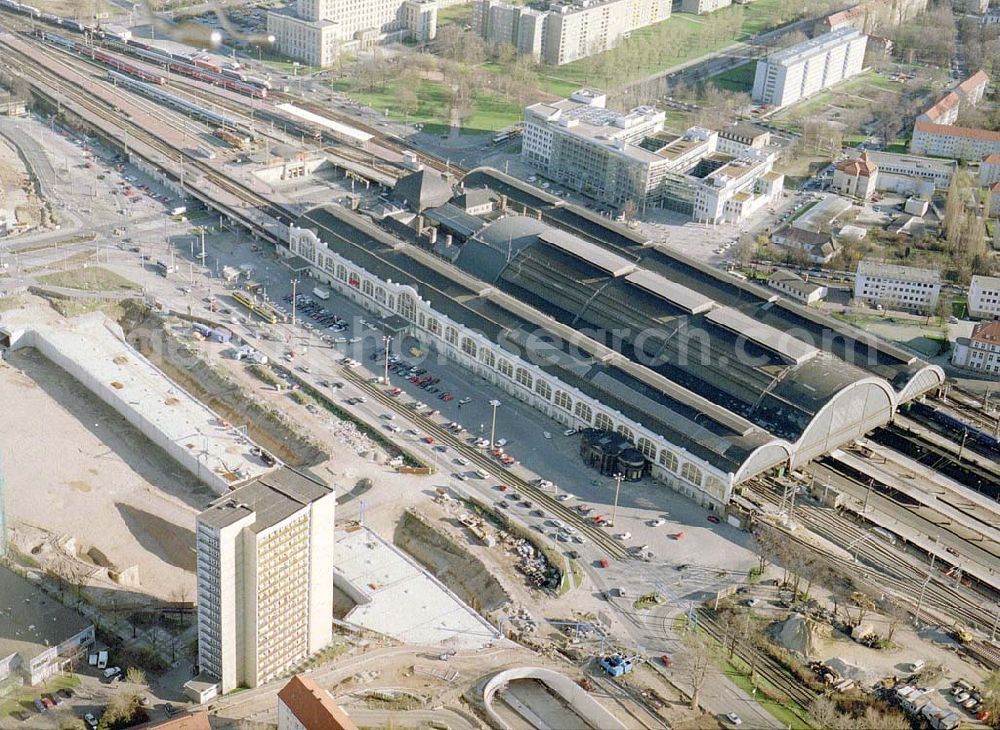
x: 265, y: 585
x: 567, y: 30
x: 799, y: 71
x: 319, y: 30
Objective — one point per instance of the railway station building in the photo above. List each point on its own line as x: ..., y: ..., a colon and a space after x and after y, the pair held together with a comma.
x: 714, y: 380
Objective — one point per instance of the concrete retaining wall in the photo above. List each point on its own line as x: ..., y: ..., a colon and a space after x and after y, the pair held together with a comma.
x: 565, y: 688
x: 187, y: 458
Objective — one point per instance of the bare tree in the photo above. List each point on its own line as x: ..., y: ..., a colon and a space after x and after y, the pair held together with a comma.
x: 823, y: 711
x: 698, y: 658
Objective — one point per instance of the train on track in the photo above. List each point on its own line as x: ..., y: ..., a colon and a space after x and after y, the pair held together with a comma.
x: 32, y: 12
x: 192, y: 65
x: 157, y: 94
x: 98, y: 55
x: 259, y: 307
x: 958, y: 425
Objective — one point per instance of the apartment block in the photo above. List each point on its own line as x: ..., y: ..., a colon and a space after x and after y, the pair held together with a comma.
x: 984, y: 297
x: 973, y: 88
x: 897, y: 287
x: 700, y: 7
x: 956, y: 143
x: 806, y: 68
x: 566, y: 31
x: 265, y: 586
x: 875, y: 16
x: 944, y: 111
x: 981, y: 351
x: 318, y: 31
x: 618, y: 157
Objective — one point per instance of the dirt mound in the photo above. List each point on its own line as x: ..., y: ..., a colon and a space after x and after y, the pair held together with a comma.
x: 450, y: 563
x: 802, y: 635
x: 159, y: 341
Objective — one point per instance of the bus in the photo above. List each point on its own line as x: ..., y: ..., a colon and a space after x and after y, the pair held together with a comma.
x: 259, y: 307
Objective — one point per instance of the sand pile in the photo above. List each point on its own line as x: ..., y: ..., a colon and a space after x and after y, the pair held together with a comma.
x: 802, y: 635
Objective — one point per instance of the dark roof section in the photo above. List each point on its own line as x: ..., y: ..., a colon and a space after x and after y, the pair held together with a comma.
x: 423, y: 189
x: 272, y: 497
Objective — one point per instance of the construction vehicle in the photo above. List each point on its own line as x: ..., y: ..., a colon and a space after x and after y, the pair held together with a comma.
x: 616, y: 665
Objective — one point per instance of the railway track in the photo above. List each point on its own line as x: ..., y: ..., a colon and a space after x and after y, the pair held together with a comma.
x: 45, y: 77
x: 884, y: 566
x: 627, y: 698
x: 768, y: 668
x: 611, y: 546
x: 968, y: 473
x: 969, y: 408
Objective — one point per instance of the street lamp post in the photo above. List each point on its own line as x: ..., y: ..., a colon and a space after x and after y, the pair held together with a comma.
x: 386, y: 341
x: 493, y: 423
x: 618, y: 486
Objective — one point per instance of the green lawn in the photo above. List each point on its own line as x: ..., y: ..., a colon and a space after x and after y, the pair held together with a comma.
x: 739, y: 79
x: 22, y: 699
x: 456, y: 14
x: 93, y: 278
x: 739, y: 674
x: 490, y: 112
x: 680, y: 38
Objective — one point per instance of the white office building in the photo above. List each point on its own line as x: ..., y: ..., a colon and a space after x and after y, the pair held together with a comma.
x: 317, y: 31
x: 897, y: 287
x: 799, y: 71
x: 984, y: 297
x: 265, y: 581
x: 565, y: 30
x: 700, y: 7
x: 617, y: 157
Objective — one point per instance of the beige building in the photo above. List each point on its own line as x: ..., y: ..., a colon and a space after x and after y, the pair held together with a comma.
x: 317, y: 31
x: 981, y: 351
x: 567, y: 30
x: 795, y: 287
x: 856, y: 178
x: 265, y: 581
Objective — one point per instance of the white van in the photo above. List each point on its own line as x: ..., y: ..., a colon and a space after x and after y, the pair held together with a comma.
x: 321, y: 294
x: 102, y: 660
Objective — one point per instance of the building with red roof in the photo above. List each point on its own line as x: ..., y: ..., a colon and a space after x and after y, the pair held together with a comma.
x: 981, y: 351
x: 957, y: 143
x: 304, y: 705
x: 857, y: 177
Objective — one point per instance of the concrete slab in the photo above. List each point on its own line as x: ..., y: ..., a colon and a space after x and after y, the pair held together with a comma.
x: 397, y: 597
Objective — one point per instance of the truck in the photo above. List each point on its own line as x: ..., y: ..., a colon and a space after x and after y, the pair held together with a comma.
x: 616, y: 665
x: 164, y: 269
x: 321, y: 293
x: 178, y: 210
